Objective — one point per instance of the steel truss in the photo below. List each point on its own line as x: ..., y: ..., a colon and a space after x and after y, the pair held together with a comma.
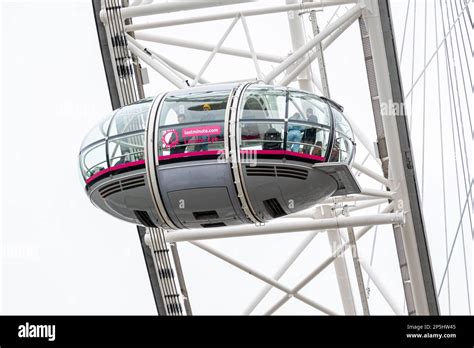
x: 126, y: 42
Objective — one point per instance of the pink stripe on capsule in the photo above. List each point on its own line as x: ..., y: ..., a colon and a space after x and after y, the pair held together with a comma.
x: 115, y: 168
x: 190, y: 154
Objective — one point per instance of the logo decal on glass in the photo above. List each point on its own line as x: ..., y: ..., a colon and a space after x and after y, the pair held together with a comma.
x: 169, y: 138
x: 200, y: 131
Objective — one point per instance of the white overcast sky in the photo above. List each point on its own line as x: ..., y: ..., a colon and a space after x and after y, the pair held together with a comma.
x: 61, y: 255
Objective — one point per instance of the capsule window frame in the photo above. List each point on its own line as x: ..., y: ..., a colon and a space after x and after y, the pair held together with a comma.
x: 333, y: 106
x: 330, y: 128
x: 179, y: 126
x: 160, y: 125
x: 340, y: 135
x: 109, y: 138
x: 103, y: 121
x: 347, y: 123
x: 161, y: 121
x: 259, y: 122
x: 321, y: 127
x: 123, y: 135
x: 311, y: 96
x: 148, y: 100
x: 260, y: 88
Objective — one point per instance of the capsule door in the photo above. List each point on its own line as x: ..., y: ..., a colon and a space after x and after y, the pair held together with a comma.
x: 193, y: 177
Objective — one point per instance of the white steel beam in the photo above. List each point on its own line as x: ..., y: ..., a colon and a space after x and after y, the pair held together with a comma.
x: 365, y: 205
x: 170, y: 63
x: 341, y: 205
x: 320, y: 55
x: 164, y: 71
x: 323, y: 265
x: 358, y: 271
x: 284, y: 226
x: 166, y: 40
x: 264, y: 278
x: 214, y: 51
x: 340, y: 267
x: 371, y: 174
x: 281, y: 271
x: 400, y: 165
x: 311, y: 213
x: 317, y: 84
x: 348, y: 198
x: 331, y: 38
x: 348, y: 16
x: 308, y: 59
x: 384, y: 291
x: 326, y: 43
x: 232, y: 14
x: 298, y: 40
x: 386, y: 294
x: 377, y: 193
x: 173, y: 6
x: 251, y: 48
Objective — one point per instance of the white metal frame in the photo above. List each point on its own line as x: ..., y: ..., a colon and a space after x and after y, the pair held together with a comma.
x: 329, y: 215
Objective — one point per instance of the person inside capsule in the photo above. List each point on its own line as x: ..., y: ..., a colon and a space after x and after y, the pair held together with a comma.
x: 309, y: 135
x: 295, y: 132
x: 264, y: 121
x: 203, y: 141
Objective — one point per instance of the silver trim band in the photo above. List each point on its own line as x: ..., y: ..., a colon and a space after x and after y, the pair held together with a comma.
x: 151, y: 162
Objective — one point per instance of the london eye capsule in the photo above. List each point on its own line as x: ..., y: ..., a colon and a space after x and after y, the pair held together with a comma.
x: 218, y: 155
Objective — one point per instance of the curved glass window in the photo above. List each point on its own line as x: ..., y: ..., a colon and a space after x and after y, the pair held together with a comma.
x: 192, y: 122
x: 277, y: 119
x: 197, y: 107
x: 93, y: 160
x: 261, y: 135
x: 123, y: 137
x: 262, y: 118
x: 130, y: 118
x: 307, y: 139
x: 99, y: 132
x: 309, y: 121
x: 342, y: 149
x: 262, y: 103
x: 341, y: 124
x: 126, y: 149
x: 343, y: 146
x: 309, y: 107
